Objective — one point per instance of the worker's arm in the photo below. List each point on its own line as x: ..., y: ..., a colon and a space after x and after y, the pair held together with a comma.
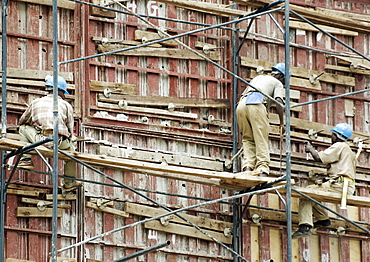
x: 280, y: 111
x: 310, y: 149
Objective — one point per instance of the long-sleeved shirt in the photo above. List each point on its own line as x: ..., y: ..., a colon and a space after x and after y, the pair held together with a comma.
x: 40, y: 115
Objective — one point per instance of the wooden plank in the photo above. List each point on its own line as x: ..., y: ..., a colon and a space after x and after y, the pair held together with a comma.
x: 64, y: 259
x: 49, y: 203
x: 17, y: 260
x: 329, y: 29
x: 36, y: 74
x: 33, y: 83
x: 108, y: 210
x: 116, y: 88
x: 236, y: 181
x: 205, y: 7
x: 108, y: 41
x: 187, y: 231
x: 359, y: 63
x: 61, y: 3
x: 158, y: 157
x: 22, y: 192
x: 148, y: 110
x: 34, y: 212
x: 347, y: 69
x: 69, y: 197
x: 146, y: 36
x: 96, y: 11
x: 203, y: 222
x: 159, y: 52
x: 323, y: 16
x: 302, y: 73
x: 161, y: 101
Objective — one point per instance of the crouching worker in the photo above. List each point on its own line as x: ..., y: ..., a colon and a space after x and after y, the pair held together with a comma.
x: 37, y: 123
x: 341, y: 173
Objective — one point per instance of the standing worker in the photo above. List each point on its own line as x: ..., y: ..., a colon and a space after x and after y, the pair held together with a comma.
x: 37, y: 123
x: 252, y: 116
x: 340, y: 175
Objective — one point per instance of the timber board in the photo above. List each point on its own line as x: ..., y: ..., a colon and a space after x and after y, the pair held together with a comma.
x: 120, y: 88
x: 108, y: 210
x: 35, y: 212
x: 61, y: 3
x: 146, y: 36
x: 101, y: 40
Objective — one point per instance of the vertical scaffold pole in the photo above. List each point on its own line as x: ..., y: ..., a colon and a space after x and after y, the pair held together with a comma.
x: 287, y: 114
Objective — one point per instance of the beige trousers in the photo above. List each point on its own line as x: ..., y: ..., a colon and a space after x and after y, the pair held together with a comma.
x: 30, y: 135
x: 254, y: 125
x: 310, y: 212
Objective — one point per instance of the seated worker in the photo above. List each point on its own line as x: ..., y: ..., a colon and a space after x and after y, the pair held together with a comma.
x: 341, y: 169
x: 252, y: 116
x: 37, y: 123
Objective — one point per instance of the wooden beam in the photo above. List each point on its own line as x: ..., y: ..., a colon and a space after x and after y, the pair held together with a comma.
x: 101, y: 40
x: 161, y: 101
x: 146, y: 36
x: 61, y: 3
x: 22, y: 192
x: 49, y: 203
x: 347, y: 69
x: 159, y: 52
x: 203, y: 222
x: 332, y: 30
x: 187, y: 231
x: 302, y: 73
x: 108, y: 210
x: 115, y: 88
x: 323, y: 16
x: 35, y: 212
x: 205, y: 7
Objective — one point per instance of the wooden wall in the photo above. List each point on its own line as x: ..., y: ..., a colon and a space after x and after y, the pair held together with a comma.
x: 122, y: 102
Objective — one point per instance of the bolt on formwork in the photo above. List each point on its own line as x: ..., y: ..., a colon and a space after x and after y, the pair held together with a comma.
x: 233, y: 73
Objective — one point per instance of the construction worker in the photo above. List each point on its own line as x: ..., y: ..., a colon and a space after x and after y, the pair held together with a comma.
x: 252, y: 116
x: 340, y: 174
x: 37, y: 123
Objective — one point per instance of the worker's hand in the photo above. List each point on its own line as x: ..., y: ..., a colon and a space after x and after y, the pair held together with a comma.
x: 308, y: 147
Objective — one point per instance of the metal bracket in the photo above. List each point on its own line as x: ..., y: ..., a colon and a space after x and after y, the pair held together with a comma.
x: 211, y: 119
x: 314, y: 79
x: 165, y: 221
x: 312, y: 134
x: 122, y: 104
x: 260, y: 70
x: 228, y: 232
x: 41, y: 206
x: 256, y: 219
x: 207, y: 49
x: 107, y: 91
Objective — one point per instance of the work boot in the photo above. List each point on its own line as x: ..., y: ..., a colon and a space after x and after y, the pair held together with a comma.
x: 322, y: 223
x: 304, y: 230
x: 26, y: 163
x: 247, y: 168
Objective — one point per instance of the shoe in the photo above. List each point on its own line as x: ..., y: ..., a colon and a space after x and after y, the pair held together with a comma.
x: 264, y: 174
x: 76, y: 185
x: 26, y: 163
x: 304, y: 230
x: 322, y: 223
x: 247, y: 168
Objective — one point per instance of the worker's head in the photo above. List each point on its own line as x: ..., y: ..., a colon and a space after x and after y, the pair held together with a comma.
x: 62, y: 84
x: 342, y: 131
x: 278, y: 71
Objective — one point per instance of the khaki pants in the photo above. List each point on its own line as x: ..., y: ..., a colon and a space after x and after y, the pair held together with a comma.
x: 30, y: 135
x: 309, y: 211
x: 254, y: 125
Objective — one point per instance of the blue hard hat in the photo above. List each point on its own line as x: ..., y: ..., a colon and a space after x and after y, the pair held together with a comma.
x: 279, y: 67
x: 344, y: 130
x: 62, y: 84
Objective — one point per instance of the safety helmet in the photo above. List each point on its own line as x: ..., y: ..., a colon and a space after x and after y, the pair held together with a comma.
x: 279, y: 67
x: 62, y: 84
x: 343, y: 131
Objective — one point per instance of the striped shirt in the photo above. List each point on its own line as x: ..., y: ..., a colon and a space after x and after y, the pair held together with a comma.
x: 40, y: 115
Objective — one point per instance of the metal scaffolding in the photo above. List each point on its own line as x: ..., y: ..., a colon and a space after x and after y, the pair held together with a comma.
x: 238, y: 213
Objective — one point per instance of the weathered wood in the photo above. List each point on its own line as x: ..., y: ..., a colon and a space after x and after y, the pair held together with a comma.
x: 148, y: 110
x: 186, y: 231
x: 33, y: 83
x: 159, y: 52
x: 17, y: 260
x: 108, y: 210
x: 108, y: 41
x: 96, y: 11
x: 347, y: 69
x: 210, y: 8
x: 158, y: 157
x: 359, y: 63
x: 22, y: 192
x: 146, y: 36
x: 323, y: 16
x: 115, y: 88
x: 329, y: 29
x: 68, y: 196
x: 34, y: 212
x: 161, y: 101
x: 302, y: 73
x: 61, y: 3
x: 36, y: 74
x: 49, y: 203
x: 203, y: 222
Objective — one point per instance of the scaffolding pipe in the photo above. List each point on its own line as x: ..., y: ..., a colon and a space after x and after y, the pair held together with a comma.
x: 4, y: 5
x: 143, y: 252
x: 287, y: 124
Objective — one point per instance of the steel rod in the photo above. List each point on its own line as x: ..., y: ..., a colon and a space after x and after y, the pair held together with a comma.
x: 143, y: 252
